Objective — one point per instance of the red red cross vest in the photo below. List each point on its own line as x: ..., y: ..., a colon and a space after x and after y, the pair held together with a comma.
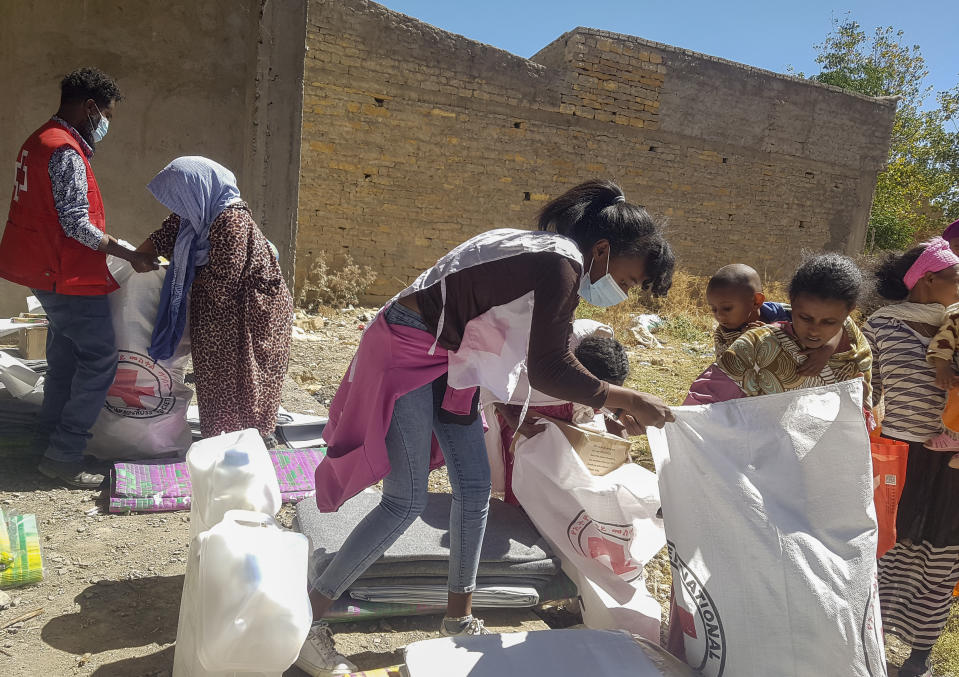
x: 35, y: 252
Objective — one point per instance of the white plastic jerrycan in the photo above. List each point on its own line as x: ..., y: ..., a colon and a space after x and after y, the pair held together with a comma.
x: 232, y: 471
x: 245, y: 609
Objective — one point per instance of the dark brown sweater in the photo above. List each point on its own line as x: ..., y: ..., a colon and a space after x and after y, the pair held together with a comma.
x: 554, y: 280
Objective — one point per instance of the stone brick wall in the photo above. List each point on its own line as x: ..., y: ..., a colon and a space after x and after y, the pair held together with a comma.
x: 414, y: 139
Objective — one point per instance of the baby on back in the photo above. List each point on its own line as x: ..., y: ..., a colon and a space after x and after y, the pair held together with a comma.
x: 736, y: 300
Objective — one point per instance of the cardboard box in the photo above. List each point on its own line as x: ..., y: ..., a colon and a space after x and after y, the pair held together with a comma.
x: 600, y: 452
x: 33, y: 343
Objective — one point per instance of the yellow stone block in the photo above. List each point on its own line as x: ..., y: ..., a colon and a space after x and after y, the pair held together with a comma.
x: 321, y: 146
x: 345, y: 166
x: 442, y: 113
x: 379, y: 111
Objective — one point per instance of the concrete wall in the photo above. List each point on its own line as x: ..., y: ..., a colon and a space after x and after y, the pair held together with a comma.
x: 415, y: 139
x: 209, y: 77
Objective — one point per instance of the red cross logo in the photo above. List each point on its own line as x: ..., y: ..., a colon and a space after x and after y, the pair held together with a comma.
x: 20, y: 183
x: 600, y: 548
x: 125, y: 387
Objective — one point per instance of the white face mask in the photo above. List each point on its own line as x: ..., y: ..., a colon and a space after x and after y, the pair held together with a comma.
x: 101, y: 128
x: 604, y: 292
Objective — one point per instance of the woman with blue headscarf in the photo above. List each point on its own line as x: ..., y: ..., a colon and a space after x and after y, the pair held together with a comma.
x: 225, y: 276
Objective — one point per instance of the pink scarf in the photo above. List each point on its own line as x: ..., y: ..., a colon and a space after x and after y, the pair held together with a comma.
x: 935, y: 257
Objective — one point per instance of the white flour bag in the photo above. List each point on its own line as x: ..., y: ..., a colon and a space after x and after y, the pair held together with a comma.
x: 604, y: 529
x: 145, y: 412
x: 772, y: 534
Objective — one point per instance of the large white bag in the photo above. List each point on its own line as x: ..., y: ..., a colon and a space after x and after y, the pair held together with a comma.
x: 547, y: 652
x: 769, y: 513
x: 145, y: 412
x: 604, y: 529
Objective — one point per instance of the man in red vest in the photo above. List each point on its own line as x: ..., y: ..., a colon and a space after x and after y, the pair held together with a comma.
x: 55, y: 242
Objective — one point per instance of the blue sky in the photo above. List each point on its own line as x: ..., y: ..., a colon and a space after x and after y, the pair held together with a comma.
x: 770, y: 34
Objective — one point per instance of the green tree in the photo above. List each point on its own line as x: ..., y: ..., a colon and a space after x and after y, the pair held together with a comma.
x: 918, y: 192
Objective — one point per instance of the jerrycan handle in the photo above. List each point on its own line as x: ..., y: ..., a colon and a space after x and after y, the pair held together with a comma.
x: 250, y: 518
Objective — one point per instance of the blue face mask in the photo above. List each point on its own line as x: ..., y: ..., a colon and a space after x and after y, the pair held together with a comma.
x: 604, y: 292
x: 99, y: 130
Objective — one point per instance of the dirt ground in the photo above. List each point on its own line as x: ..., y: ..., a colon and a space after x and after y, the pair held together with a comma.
x: 110, y: 599
x: 111, y: 595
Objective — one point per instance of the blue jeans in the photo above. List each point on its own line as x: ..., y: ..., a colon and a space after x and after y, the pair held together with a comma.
x: 81, y: 364
x: 408, y: 442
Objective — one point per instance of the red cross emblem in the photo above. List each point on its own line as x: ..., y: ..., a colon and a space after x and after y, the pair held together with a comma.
x: 615, y: 553
x: 125, y: 387
x: 20, y: 183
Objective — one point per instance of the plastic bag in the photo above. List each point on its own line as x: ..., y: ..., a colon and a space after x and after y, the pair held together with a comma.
x: 604, y: 529
x: 889, y: 458
x: 772, y: 529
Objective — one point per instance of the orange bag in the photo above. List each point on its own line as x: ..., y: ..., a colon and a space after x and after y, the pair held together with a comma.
x: 888, y: 475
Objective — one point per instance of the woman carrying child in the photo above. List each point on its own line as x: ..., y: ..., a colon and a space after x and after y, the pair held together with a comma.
x: 769, y: 359
x: 495, y: 309
x: 918, y: 575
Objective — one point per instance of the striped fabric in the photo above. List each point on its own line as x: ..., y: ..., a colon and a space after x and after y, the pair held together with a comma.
x: 915, y: 591
x: 914, y: 404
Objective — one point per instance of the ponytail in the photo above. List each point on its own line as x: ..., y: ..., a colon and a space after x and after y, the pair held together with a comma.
x: 597, y: 210
x: 890, y: 274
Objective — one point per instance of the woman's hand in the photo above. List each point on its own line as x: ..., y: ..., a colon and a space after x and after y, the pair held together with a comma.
x: 946, y: 377
x: 816, y: 358
x: 642, y: 410
x: 143, y: 262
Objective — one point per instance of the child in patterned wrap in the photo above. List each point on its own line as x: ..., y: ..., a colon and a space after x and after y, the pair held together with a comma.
x: 735, y: 298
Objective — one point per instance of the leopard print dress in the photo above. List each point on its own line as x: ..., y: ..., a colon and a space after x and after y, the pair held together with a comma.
x: 241, y: 317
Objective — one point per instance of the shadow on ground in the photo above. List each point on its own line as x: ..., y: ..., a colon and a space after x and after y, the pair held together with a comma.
x: 119, y: 615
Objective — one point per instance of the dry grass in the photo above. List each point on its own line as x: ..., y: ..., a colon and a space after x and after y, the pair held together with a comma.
x: 325, y: 288
x: 945, y: 655
x: 684, y: 311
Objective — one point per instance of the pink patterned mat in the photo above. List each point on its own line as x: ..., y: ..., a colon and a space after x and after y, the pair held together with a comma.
x: 164, y: 485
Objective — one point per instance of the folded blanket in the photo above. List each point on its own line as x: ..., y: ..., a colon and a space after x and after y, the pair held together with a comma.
x: 538, y: 582
x: 161, y: 485
x: 492, y: 596
x: 542, y: 569
x: 512, y: 546
x: 346, y: 609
